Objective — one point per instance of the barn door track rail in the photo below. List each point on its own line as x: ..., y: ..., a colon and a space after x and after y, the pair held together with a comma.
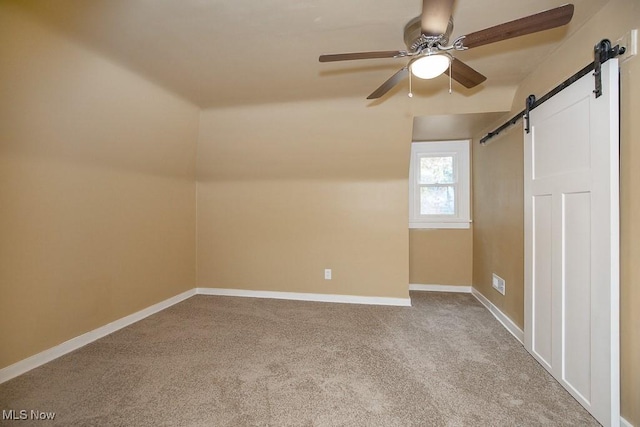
x: 602, y: 52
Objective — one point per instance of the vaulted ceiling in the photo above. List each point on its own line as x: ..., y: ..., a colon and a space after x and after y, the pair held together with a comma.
x: 218, y: 53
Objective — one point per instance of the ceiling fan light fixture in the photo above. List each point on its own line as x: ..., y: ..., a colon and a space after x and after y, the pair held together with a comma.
x: 427, y: 36
x: 430, y: 66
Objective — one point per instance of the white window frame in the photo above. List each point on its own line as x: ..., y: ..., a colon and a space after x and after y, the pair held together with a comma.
x: 459, y: 150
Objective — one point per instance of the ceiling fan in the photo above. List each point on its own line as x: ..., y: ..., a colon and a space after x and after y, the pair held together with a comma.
x: 427, y: 35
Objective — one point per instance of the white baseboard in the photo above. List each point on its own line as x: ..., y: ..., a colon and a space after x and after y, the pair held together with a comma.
x: 625, y: 423
x: 300, y: 296
x: 440, y: 288
x: 46, y: 356
x: 502, y: 318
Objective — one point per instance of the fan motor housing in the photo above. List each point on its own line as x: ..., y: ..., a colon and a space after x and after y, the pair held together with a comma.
x: 413, y: 34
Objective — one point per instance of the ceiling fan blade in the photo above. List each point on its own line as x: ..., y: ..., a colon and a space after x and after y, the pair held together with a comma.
x: 386, y: 86
x: 362, y: 55
x: 435, y: 16
x: 546, y: 20
x: 465, y: 75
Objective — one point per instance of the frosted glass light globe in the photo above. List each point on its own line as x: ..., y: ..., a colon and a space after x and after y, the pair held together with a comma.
x: 430, y: 66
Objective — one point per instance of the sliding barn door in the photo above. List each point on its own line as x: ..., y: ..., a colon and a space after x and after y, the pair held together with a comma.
x: 571, y: 242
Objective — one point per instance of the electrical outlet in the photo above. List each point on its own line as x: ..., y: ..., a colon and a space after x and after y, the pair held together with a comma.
x: 630, y: 42
x: 327, y: 274
x: 498, y: 284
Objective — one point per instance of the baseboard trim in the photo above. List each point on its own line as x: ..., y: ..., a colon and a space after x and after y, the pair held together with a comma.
x: 502, y: 318
x: 299, y: 296
x: 53, y: 353
x: 625, y: 423
x: 440, y: 288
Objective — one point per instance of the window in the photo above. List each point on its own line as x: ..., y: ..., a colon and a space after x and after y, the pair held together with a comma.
x: 439, y: 185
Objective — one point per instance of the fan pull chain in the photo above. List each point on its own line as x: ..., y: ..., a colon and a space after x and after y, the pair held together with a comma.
x: 410, y: 94
x: 450, y: 77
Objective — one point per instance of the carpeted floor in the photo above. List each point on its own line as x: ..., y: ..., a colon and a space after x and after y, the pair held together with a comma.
x: 225, y: 361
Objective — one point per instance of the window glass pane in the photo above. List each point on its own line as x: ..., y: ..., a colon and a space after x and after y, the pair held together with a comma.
x: 437, y: 200
x: 436, y: 170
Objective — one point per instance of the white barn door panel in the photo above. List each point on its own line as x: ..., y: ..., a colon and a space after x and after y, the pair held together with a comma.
x: 572, y: 241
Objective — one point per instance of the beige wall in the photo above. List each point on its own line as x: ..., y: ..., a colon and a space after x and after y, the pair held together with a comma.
x: 630, y: 238
x: 498, y: 233
x: 441, y: 257
x: 498, y: 191
x: 97, y: 211
x: 287, y: 190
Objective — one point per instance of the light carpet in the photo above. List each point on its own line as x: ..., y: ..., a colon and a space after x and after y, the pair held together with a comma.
x: 226, y: 361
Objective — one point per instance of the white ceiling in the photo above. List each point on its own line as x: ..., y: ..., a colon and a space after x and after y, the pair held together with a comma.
x: 219, y: 53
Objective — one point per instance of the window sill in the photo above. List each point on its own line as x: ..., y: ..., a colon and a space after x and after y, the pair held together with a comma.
x: 440, y: 225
